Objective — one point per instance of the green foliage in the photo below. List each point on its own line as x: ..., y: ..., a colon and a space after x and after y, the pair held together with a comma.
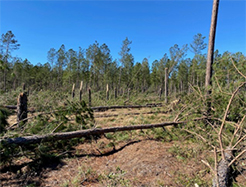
x: 4, y: 114
x: 115, y: 178
x: 184, y: 180
x: 74, y: 116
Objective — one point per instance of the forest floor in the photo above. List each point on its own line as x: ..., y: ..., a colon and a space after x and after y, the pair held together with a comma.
x: 139, y: 158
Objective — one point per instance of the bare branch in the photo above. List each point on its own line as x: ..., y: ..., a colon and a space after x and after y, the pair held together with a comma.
x: 237, y: 68
x: 235, y: 132
x: 207, y: 164
x: 203, y: 139
x: 244, y: 151
x: 241, y: 139
x: 216, y: 167
x: 224, y: 119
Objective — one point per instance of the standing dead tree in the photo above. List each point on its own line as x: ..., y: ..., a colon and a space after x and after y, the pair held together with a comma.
x: 73, y: 91
x: 21, y: 107
x: 80, y: 90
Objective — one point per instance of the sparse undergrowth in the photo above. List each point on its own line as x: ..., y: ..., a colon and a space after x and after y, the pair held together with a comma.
x: 186, y: 144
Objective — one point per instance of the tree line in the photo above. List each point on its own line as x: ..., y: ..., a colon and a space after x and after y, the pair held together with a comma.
x: 96, y: 68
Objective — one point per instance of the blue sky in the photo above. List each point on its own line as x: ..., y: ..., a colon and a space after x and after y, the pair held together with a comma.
x: 152, y: 26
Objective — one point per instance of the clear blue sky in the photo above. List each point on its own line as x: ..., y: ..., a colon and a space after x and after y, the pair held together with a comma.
x: 152, y: 26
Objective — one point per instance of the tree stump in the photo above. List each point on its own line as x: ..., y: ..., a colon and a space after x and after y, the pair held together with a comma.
x: 160, y: 93
x: 21, y: 107
x: 115, y: 93
x: 89, y: 93
x: 107, y: 92
x: 73, y: 91
x: 80, y: 90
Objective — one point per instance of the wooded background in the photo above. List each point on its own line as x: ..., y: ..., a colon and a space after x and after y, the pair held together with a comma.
x: 96, y: 68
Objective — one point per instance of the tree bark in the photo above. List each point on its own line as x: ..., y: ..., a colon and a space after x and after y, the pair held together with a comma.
x: 21, y: 107
x: 78, y: 134
x: 209, y: 69
x: 102, y: 108
x: 80, y: 90
x: 210, y: 55
x: 223, y: 171
x: 166, y: 85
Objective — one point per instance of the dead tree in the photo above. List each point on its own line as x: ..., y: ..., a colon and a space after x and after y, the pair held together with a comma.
x: 107, y: 93
x: 21, y: 107
x: 82, y: 133
x: 89, y: 92
x: 73, y: 91
x: 80, y: 90
x: 115, y: 93
x: 166, y: 85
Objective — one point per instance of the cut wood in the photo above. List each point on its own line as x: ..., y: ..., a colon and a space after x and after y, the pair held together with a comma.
x: 78, y: 134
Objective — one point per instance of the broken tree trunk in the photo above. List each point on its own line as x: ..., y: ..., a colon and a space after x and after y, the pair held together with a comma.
x: 160, y: 93
x: 166, y: 85
x: 104, y: 108
x: 107, y: 92
x: 89, y: 95
x: 80, y: 90
x: 115, y: 93
x: 73, y: 91
x: 78, y: 134
x: 21, y: 107
x: 132, y: 114
x: 223, y: 171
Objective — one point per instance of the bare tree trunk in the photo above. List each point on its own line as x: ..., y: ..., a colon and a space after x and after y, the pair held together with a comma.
x: 210, y: 55
x: 166, y: 85
x: 4, y: 79
x: 80, y: 90
x: 73, y: 91
x: 81, y: 133
x: 115, y: 93
x: 21, y: 107
x: 89, y: 93
x: 223, y: 171
x: 107, y: 92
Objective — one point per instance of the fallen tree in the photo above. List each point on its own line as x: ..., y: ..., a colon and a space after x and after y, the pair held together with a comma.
x: 131, y: 114
x: 100, y: 108
x: 78, y: 134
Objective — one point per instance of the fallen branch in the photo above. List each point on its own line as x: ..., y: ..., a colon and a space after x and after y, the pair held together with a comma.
x: 13, y: 107
x: 224, y: 119
x: 78, y: 134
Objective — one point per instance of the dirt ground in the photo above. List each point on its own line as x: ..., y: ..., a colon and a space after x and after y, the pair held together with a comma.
x: 140, y: 161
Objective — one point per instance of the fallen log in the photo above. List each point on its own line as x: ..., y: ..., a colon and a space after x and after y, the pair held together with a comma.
x: 131, y: 114
x: 12, y: 107
x: 100, y: 108
x: 104, y: 108
x: 78, y: 134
